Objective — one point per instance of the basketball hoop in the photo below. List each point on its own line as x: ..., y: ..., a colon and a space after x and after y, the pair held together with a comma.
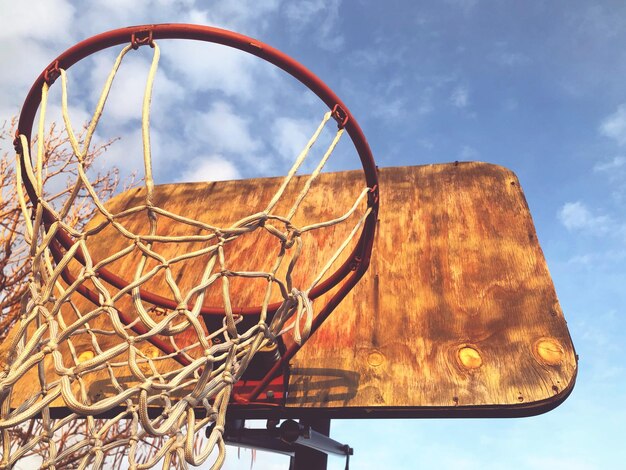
x: 158, y: 316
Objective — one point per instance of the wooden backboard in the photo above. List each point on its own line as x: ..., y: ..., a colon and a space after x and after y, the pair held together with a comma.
x: 457, y: 315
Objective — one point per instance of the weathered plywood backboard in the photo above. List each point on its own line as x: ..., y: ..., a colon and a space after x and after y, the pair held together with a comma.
x: 457, y: 315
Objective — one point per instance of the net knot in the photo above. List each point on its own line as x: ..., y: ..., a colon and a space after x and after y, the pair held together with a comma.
x: 267, y: 331
x: 49, y: 348
x: 304, y: 314
x: 295, y: 294
x: 89, y: 273
x: 146, y: 386
x: 96, y: 445
x: 293, y: 234
x: 152, y: 216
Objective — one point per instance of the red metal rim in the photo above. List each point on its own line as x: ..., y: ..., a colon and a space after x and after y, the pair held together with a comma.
x: 142, y: 35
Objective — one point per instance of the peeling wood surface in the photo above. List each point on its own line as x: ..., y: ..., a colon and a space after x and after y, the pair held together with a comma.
x: 456, y: 316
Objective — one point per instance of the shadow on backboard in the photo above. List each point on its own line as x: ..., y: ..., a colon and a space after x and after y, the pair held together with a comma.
x: 330, y: 387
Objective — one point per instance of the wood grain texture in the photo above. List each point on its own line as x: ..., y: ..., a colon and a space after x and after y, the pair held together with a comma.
x: 456, y: 266
x: 457, y: 315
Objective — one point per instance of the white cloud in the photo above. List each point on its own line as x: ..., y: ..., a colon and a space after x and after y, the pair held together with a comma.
x: 512, y: 59
x: 503, y: 55
x: 23, y: 60
x: 289, y: 136
x: 425, y: 102
x: 460, y: 97
x: 614, y: 126
x: 599, y: 258
x: 426, y: 143
x: 582, y: 260
x: 207, y: 67
x: 124, y: 101
x: 510, y: 104
x: 390, y: 109
x: 36, y: 19
x: 126, y: 97
x: 211, y: 168
x: 615, y: 163
x: 103, y: 15
x: 248, y: 16
x: 223, y: 130
x: 54, y: 114
x: 559, y: 463
x: 576, y: 216
x: 465, y: 5
x: 125, y: 153
x: 615, y: 171
x: 321, y: 16
x: 468, y: 153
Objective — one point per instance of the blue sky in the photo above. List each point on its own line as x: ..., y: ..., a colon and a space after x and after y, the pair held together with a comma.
x: 537, y: 86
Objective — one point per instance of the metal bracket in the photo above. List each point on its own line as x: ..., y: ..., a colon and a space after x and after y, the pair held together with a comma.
x: 373, y: 196
x: 52, y: 73
x: 141, y: 38
x: 300, y: 434
x: 340, y: 115
x: 17, y: 143
x: 282, y: 439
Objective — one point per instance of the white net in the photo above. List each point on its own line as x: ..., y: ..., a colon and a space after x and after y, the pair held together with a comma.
x: 79, y: 328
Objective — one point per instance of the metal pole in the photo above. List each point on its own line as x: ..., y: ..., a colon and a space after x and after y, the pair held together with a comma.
x: 312, y: 435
